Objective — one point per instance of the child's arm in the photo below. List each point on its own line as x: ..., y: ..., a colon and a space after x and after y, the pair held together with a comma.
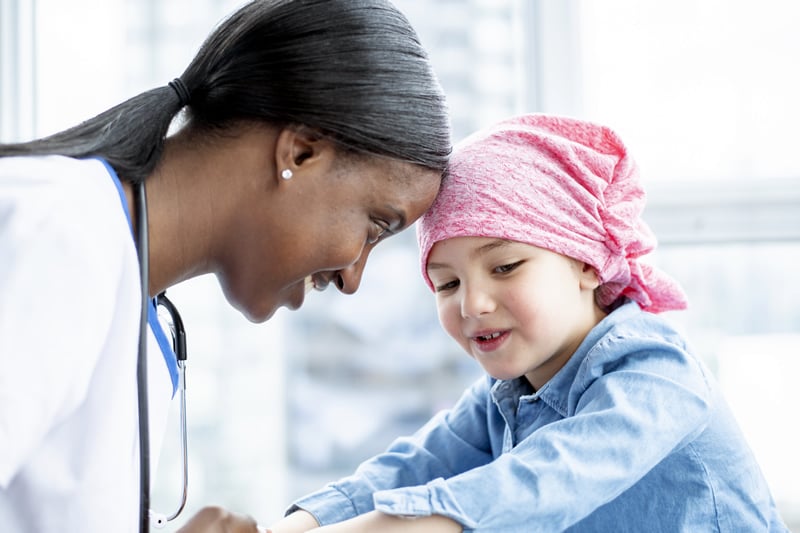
x: 605, y: 433
x: 297, y: 522
x: 447, y: 445
x: 588, y: 444
x: 375, y: 521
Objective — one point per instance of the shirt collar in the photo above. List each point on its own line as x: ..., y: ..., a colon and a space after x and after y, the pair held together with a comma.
x: 555, y: 392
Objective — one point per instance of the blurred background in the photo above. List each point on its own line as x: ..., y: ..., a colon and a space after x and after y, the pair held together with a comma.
x: 704, y: 93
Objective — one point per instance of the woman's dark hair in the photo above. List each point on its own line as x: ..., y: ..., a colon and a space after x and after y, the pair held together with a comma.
x: 352, y: 69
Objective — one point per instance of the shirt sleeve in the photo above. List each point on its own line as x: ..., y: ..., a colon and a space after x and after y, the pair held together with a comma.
x: 56, y: 301
x: 450, y: 442
x: 624, y: 416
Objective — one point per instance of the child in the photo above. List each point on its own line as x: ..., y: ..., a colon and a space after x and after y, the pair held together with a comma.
x: 595, y: 414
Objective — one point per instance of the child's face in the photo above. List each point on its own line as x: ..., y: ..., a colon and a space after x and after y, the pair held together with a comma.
x: 516, y: 308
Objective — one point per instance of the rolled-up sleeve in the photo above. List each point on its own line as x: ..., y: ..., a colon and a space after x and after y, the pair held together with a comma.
x: 623, y: 424
x: 620, y: 417
x: 451, y: 442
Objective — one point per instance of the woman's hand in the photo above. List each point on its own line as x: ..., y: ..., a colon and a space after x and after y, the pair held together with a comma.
x: 214, y: 519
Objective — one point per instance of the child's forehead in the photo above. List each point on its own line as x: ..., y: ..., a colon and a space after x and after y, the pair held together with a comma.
x: 474, y: 248
x: 477, y: 245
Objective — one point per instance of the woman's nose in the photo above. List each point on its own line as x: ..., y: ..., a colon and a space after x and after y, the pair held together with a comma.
x: 348, y: 279
x: 475, y: 301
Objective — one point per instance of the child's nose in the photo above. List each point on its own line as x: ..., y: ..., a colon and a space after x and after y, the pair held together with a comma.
x: 476, y: 301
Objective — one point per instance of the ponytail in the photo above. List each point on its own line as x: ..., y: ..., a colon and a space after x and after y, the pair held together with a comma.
x: 130, y: 135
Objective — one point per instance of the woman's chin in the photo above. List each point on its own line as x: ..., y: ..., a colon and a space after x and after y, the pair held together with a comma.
x: 258, y: 317
x: 258, y: 308
x: 254, y: 311
x: 258, y: 312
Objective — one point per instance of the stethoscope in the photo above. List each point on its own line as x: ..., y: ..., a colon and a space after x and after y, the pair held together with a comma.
x: 179, y: 346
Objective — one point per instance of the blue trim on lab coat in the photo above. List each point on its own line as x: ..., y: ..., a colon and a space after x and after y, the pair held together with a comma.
x: 152, y: 316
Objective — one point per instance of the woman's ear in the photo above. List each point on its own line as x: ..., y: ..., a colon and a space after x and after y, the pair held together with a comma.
x: 299, y: 148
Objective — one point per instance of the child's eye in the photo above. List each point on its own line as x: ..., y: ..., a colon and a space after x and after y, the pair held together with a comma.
x: 505, y: 269
x: 450, y: 285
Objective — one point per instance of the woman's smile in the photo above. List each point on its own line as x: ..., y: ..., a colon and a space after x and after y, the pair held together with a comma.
x: 309, y: 284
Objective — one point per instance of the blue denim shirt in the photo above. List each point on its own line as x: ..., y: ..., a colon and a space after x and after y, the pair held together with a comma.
x: 632, y: 434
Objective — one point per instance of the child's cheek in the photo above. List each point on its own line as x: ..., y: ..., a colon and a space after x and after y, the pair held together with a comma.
x: 450, y: 318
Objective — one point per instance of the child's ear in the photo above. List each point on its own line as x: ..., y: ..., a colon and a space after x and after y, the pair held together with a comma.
x: 588, y: 276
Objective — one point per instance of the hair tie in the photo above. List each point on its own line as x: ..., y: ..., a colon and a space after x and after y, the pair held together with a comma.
x: 180, y: 89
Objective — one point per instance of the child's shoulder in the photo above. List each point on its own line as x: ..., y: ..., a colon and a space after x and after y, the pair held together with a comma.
x: 632, y: 339
x: 638, y: 350
x: 628, y: 325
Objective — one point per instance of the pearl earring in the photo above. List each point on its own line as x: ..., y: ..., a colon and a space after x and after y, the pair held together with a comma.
x: 286, y: 174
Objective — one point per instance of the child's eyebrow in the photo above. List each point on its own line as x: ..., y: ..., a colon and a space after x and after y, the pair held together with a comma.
x: 480, y: 250
x: 489, y: 246
x: 434, y: 266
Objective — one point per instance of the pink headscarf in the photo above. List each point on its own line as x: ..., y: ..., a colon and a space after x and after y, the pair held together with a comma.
x: 557, y: 183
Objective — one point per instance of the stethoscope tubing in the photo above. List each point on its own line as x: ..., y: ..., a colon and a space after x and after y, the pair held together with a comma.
x: 179, y: 345
x: 143, y: 245
x: 184, y: 494
x: 179, y: 339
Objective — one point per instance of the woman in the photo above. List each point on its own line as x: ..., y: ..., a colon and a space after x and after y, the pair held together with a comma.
x: 309, y: 131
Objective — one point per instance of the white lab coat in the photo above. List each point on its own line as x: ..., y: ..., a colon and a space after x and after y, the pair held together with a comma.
x: 69, y: 319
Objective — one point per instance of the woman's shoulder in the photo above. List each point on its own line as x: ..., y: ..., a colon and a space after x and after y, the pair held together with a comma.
x: 63, y: 208
x: 53, y: 187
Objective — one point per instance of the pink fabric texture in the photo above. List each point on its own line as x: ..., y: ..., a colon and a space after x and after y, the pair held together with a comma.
x: 557, y: 183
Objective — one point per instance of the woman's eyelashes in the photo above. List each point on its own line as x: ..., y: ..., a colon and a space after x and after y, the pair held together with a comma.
x: 380, y: 229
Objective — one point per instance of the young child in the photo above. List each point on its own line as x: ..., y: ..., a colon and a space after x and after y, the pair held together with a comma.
x: 595, y: 414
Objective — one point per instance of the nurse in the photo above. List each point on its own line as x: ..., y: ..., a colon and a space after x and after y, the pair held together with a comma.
x: 305, y: 133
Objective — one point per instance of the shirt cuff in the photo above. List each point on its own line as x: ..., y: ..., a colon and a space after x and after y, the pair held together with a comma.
x: 435, y: 498
x: 327, y: 505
